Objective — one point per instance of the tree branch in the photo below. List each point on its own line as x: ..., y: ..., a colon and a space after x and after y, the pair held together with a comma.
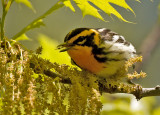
x: 138, y: 91
x: 54, y: 75
x: 150, y: 91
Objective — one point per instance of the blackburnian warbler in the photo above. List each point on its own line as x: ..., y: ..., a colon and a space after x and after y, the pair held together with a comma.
x: 100, y: 51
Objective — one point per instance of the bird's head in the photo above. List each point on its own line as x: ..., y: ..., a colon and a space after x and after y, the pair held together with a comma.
x: 80, y: 37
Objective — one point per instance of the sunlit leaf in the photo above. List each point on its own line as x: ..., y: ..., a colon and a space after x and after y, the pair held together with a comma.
x: 91, y: 7
x: 51, y: 52
x: 121, y: 3
x: 87, y: 9
x: 105, y: 6
x: 27, y: 3
x: 23, y: 37
x: 36, y: 24
x: 67, y: 3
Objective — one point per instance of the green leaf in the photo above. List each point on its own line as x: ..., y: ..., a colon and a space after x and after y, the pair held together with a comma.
x: 89, y: 7
x: 67, y: 3
x: 105, y: 6
x: 27, y: 3
x: 38, y: 22
x: 51, y: 52
x: 121, y: 3
x: 22, y: 37
x: 34, y: 24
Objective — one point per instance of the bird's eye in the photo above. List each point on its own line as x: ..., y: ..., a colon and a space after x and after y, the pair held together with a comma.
x: 80, y: 40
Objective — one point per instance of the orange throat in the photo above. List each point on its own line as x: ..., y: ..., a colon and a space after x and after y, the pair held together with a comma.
x: 83, y: 57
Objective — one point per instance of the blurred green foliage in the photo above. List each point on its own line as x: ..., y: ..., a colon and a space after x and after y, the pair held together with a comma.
x: 123, y: 104
x: 156, y: 111
x: 27, y: 3
x: 50, y: 51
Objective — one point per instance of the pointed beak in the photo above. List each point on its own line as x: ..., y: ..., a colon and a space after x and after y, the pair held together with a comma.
x: 65, y: 46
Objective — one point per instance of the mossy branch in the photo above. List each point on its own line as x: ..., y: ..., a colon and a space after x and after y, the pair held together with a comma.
x: 137, y: 90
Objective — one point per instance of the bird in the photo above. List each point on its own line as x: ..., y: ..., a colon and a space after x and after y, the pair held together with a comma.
x: 100, y: 51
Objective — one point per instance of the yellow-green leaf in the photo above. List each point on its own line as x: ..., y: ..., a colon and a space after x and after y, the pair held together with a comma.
x: 34, y: 24
x: 121, y: 3
x: 105, y: 6
x: 27, y: 3
x: 22, y: 37
x: 51, y: 52
x: 67, y: 3
x: 89, y: 7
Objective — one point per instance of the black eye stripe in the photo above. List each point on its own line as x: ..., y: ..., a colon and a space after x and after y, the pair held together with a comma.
x: 89, y: 40
x: 74, y: 33
x: 80, y: 39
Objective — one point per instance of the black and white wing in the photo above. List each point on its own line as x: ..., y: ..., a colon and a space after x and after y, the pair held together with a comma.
x: 116, y: 43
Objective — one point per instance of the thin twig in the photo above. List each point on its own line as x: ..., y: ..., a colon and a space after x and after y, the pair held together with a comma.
x: 54, y: 75
x: 150, y: 91
x: 139, y: 92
